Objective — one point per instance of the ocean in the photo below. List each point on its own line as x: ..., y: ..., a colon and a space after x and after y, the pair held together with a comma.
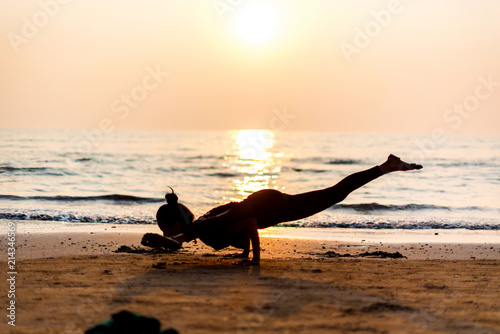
x: 121, y: 176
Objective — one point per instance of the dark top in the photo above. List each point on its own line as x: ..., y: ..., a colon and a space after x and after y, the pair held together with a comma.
x: 219, y: 240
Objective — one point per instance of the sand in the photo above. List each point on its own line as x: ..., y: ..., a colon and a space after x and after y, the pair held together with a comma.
x: 66, y: 282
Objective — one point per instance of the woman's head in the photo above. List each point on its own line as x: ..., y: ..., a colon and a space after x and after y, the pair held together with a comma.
x: 173, y: 218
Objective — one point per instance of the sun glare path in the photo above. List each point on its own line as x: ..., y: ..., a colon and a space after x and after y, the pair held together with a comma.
x: 254, y: 160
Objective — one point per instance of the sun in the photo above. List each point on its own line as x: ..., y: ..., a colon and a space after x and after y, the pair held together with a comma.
x: 255, y: 23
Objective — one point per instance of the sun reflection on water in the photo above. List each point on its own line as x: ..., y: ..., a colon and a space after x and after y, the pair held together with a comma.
x: 254, y: 161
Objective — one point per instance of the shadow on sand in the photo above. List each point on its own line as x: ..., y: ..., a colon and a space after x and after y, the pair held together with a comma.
x: 270, y: 296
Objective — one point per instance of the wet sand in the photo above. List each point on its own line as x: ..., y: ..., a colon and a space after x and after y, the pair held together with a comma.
x: 67, y: 282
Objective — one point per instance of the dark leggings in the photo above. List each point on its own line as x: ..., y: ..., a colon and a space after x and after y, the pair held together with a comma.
x: 271, y: 207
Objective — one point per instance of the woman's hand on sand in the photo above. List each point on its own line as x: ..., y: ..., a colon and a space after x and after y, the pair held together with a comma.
x: 247, y: 262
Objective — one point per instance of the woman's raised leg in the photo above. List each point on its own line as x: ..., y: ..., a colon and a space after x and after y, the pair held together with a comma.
x: 307, y: 204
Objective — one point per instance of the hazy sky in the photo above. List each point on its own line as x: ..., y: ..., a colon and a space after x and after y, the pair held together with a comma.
x: 362, y: 66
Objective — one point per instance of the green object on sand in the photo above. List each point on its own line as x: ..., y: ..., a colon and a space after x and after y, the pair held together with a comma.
x: 127, y: 322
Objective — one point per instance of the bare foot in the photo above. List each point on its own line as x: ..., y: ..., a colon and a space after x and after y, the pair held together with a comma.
x: 394, y: 164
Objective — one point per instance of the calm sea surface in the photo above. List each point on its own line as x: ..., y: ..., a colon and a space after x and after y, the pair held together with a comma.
x: 121, y: 177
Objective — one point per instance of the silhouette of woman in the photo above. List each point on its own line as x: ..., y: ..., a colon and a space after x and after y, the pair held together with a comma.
x: 237, y: 223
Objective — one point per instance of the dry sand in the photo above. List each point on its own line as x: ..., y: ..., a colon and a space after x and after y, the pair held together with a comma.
x: 67, y: 282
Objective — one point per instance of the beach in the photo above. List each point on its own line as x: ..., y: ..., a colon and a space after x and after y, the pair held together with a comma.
x: 415, y: 252
x: 70, y: 278
x: 359, y: 139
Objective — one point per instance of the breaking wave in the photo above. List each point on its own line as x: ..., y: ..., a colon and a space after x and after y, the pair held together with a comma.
x: 109, y: 198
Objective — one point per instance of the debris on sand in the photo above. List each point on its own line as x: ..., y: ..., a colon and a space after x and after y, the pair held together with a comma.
x: 160, y: 265
x: 381, y: 254
x: 386, y: 307
x: 377, y: 254
x: 335, y: 254
x: 140, y: 250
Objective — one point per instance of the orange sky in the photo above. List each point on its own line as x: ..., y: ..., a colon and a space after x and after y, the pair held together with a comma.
x: 350, y: 66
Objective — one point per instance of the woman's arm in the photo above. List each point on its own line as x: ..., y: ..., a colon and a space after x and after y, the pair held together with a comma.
x: 249, y: 226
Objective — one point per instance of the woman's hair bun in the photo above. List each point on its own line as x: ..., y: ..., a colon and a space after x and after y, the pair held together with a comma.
x: 171, y: 197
